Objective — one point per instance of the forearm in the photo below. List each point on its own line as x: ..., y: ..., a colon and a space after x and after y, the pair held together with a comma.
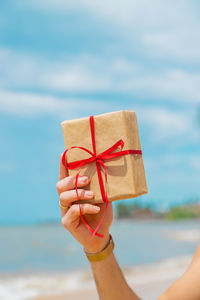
x: 110, y: 280
x: 187, y: 286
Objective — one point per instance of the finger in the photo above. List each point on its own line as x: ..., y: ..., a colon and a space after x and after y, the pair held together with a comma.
x: 63, y: 172
x: 68, y: 183
x: 73, y: 213
x: 63, y: 209
x: 66, y: 198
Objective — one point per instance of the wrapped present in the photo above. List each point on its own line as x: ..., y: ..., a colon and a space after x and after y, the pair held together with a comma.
x: 107, y: 149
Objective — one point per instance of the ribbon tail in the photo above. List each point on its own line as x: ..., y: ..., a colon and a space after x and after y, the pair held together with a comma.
x: 104, y: 195
x: 100, y: 180
x: 100, y: 222
x: 81, y: 215
x: 88, y: 226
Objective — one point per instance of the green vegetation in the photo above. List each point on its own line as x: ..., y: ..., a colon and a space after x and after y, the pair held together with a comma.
x: 136, y: 211
x: 183, y: 212
x: 133, y: 210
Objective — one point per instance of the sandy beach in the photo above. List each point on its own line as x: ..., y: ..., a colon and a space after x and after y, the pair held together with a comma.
x: 52, y: 266
x: 149, y: 281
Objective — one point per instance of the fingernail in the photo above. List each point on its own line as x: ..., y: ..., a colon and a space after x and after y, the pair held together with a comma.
x: 97, y: 208
x: 89, y: 194
x: 83, y: 179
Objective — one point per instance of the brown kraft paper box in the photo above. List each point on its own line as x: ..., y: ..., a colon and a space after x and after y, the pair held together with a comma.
x: 126, y: 175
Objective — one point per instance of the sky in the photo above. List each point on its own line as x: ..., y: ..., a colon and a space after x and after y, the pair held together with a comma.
x: 69, y: 59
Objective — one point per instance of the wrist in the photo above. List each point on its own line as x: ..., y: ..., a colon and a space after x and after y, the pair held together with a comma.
x: 99, y: 245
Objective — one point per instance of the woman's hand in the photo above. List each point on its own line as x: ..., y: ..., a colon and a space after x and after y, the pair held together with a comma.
x: 71, y: 219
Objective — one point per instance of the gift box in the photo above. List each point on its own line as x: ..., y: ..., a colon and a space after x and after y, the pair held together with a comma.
x: 125, y: 173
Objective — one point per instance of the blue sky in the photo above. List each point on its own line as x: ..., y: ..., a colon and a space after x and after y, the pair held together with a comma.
x: 68, y: 59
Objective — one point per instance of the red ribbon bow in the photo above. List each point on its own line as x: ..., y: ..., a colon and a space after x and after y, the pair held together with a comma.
x: 107, y: 154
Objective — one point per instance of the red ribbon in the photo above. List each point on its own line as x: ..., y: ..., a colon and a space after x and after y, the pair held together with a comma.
x: 99, y: 159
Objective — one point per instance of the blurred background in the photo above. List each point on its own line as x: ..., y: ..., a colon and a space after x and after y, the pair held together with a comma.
x: 69, y: 59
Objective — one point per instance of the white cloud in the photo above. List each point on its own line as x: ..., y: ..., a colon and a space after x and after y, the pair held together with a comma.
x: 166, y: 124
x: 75, y: 79
x: 71, y: 74
x: 162, y: 123
x: 182, y: 45
x: 169, y: 121
x: 27, y: 104
x: 159, y: 28
x: 88, y: 74
x: 127, y: 13
x: 172, y: 163
x: 174, y: 84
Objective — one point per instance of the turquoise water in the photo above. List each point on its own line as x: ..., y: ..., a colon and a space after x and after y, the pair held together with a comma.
x: 51, y: 248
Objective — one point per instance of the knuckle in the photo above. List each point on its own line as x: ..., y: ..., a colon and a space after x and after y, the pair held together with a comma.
x: 74, y: 194
x: 88, y: 207
x: 67, y: 183
x: 81, y: 206
x: 81, y: 193
x: 58, y: 186
x: 71, y: 180
x: 62, y: 197
x: 73, y: 209
x: 65, y: 223
x: 84, y: 207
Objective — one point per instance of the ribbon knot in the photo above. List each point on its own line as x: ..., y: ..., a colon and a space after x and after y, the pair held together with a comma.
x: 99, y: 159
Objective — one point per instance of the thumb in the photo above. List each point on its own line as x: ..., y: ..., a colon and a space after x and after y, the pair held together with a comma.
x: 73, y: 213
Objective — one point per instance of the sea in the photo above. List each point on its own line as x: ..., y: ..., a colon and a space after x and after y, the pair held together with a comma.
x: 35, y: 251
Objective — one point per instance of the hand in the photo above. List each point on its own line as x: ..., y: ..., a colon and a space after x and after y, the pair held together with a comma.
x: 71, y: 219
